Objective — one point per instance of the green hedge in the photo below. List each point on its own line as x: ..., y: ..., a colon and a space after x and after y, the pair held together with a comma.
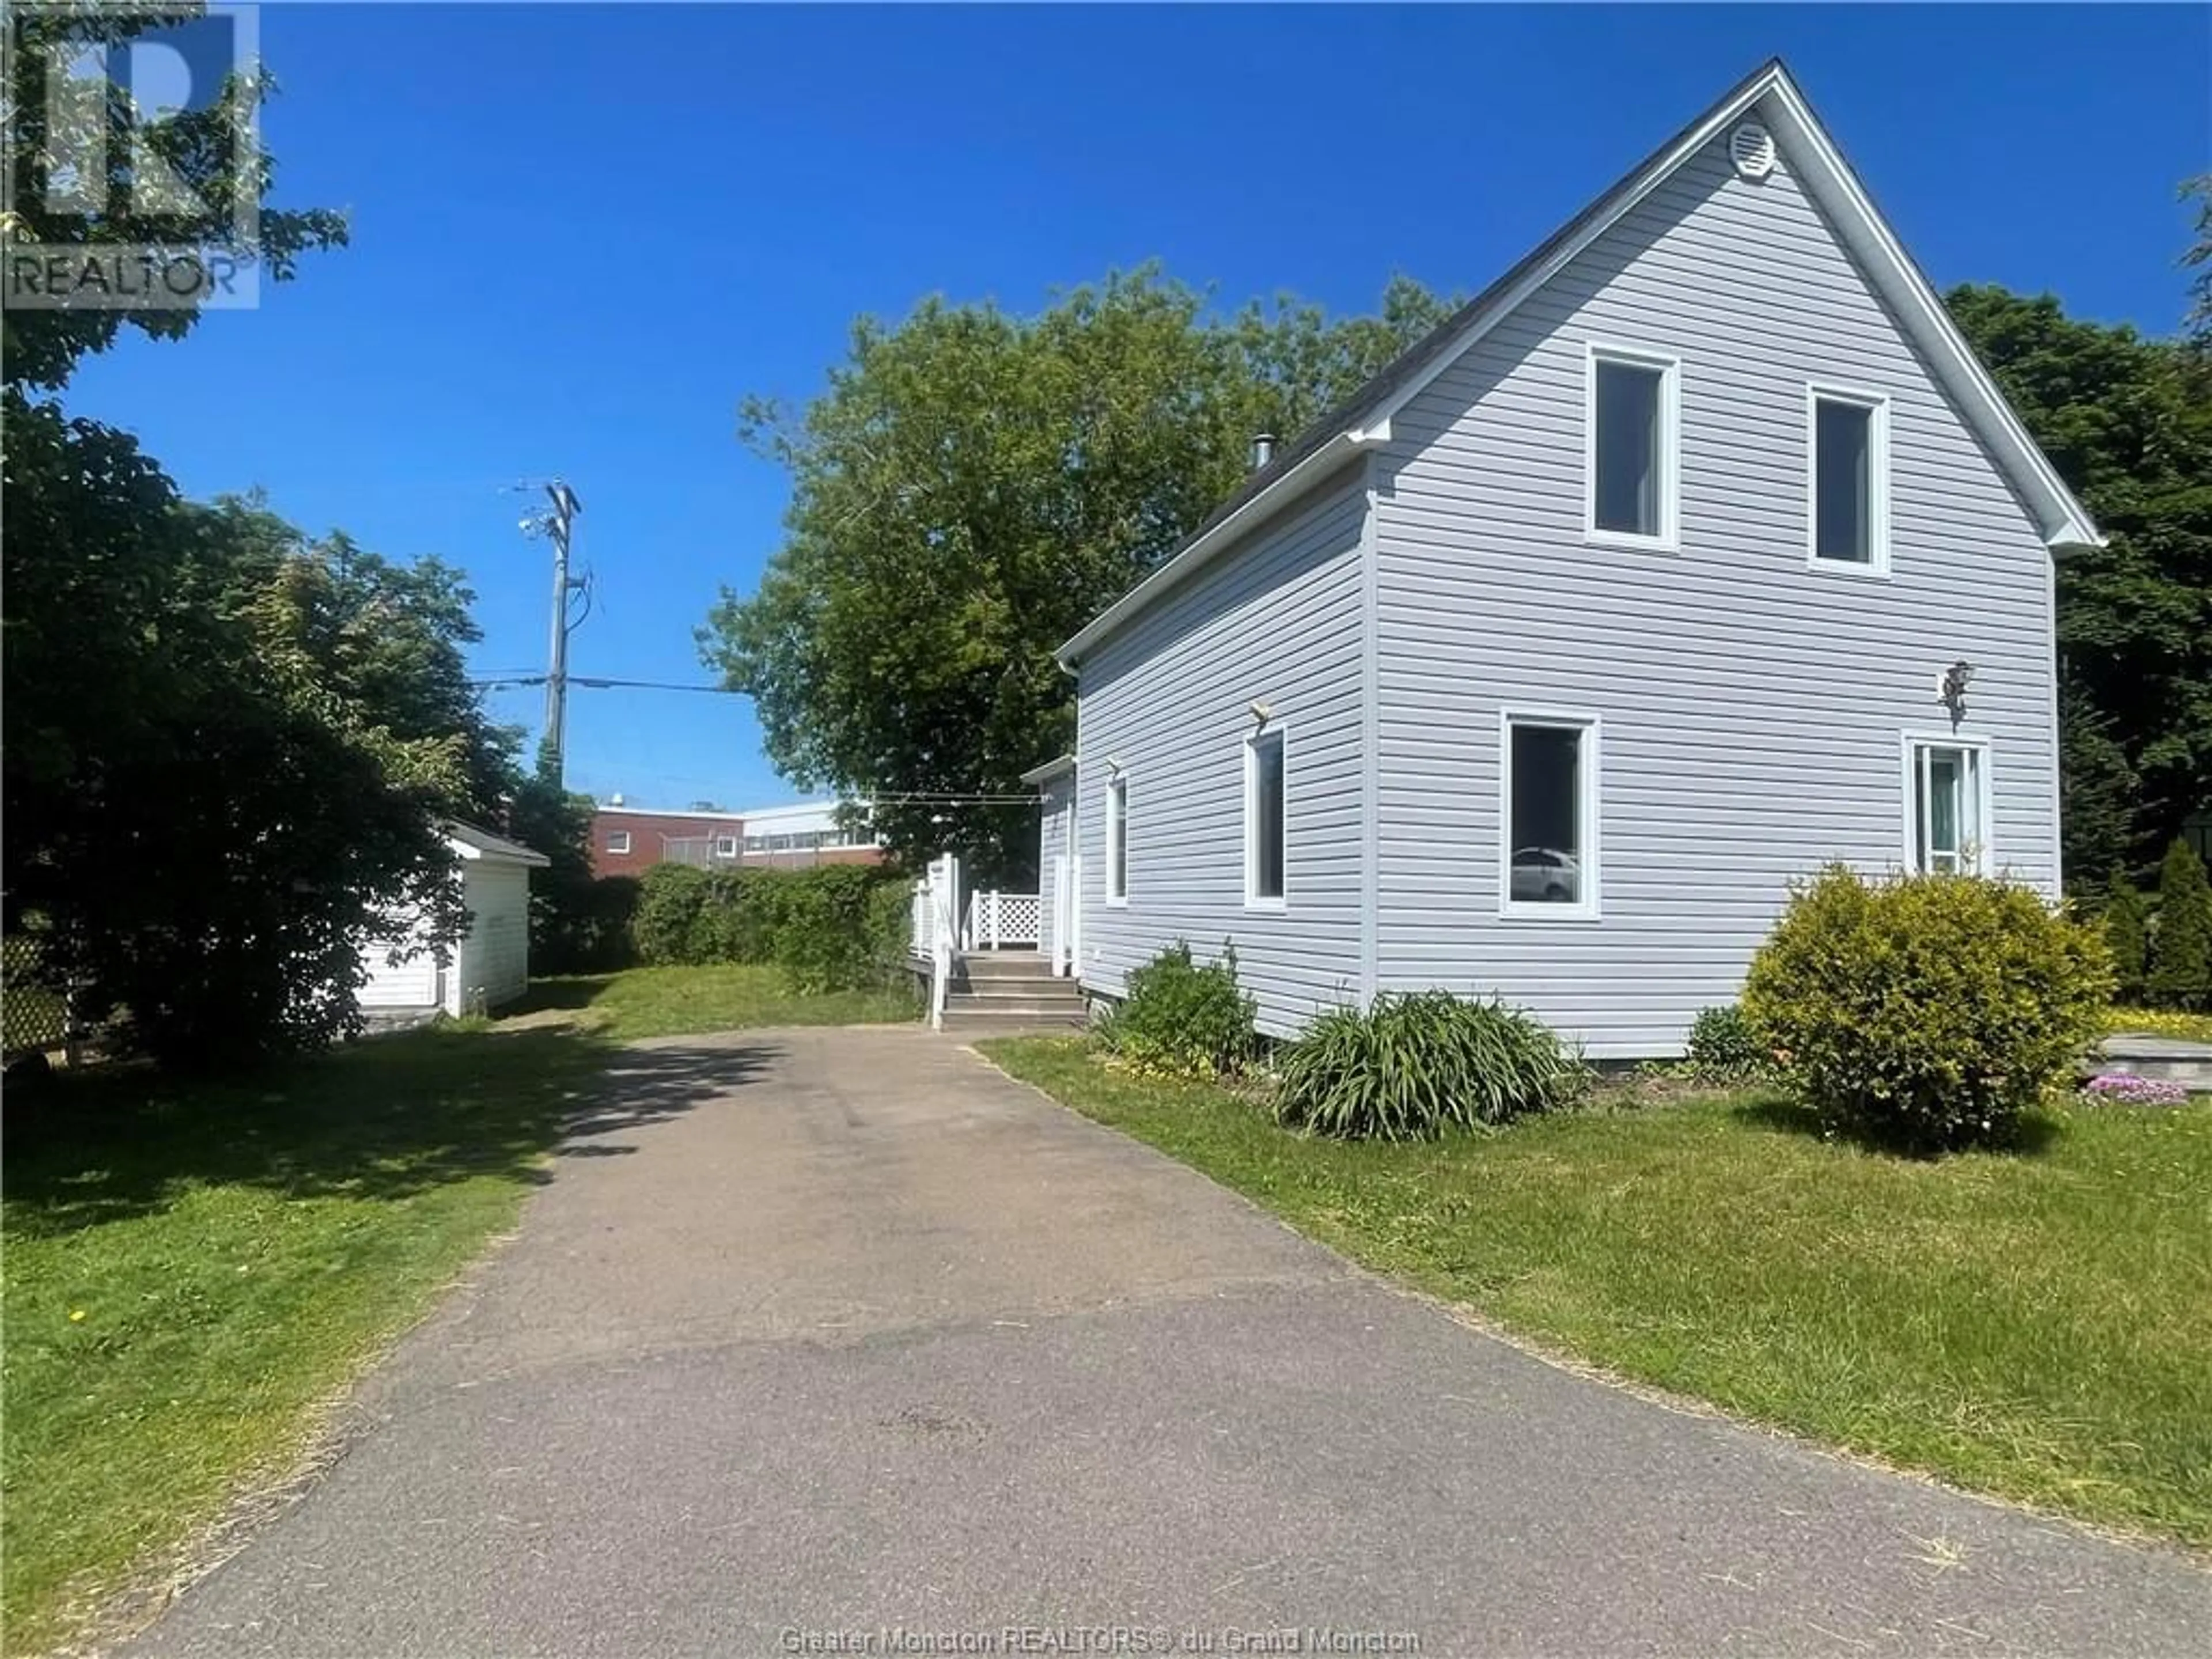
x: 830, y: 928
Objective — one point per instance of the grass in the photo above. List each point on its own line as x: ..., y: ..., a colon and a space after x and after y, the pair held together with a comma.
x: 642, y: 1002
x: 2165, y: 1021
x: 191, y: 1269
x: 2030, y: 1324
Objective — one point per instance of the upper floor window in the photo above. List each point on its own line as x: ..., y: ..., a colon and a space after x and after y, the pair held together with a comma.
x: 1263, y: 818
x: 618, y: 840
x: 1632, y: 460
x: 1946, y: 789
x: 725, y: 846
x: 1848, y: 444
x: 1117, y: 841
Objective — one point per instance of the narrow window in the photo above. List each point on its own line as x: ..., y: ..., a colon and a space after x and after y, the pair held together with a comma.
x: 1948, y: 785
x: 618, y: 840
x: 1850, y: 486
x: 1263, y: 818
x: 725, y: 846
x: 1632, y: 458
x: 1550, y: 816
x: 1117, y: 841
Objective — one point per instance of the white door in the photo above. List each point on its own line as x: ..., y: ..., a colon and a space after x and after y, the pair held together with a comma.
x: 1056, y: 912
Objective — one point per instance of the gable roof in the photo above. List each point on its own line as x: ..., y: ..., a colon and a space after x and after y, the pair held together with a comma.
x: 1363, y: 420
x: 473, y: 841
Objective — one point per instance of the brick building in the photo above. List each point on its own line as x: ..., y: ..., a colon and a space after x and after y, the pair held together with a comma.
x: 628, y: 840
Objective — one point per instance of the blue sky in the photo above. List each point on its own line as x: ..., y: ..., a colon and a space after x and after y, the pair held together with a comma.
x: 582, y: 233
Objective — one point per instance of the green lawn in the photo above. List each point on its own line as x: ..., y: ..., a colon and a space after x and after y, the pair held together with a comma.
x: 642, y: 1002
x: 2036, y: 1324
x: 190, y: 1269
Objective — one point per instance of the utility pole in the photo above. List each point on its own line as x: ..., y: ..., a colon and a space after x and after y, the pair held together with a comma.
x: 557, y: 522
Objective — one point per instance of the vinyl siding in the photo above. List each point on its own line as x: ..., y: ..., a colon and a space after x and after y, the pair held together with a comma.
x: 1276, y: 622
x: 1752, y: 708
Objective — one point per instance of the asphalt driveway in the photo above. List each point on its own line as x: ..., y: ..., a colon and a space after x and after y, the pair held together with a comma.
x: 819, y: 1337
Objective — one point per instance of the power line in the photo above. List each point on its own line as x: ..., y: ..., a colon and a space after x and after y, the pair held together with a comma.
x: 596, y: 683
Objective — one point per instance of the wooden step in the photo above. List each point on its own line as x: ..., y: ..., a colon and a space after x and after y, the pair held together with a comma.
x: 1014, y: 1016
x: 1003, y: 964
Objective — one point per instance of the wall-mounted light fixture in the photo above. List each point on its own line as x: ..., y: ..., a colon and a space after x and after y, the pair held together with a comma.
x: 1263, y: 713
x: 1951, y: 689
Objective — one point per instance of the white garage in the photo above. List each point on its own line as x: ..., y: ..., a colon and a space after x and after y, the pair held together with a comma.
x: 489, y: 964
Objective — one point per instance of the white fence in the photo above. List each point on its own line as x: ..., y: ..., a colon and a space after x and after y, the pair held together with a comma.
x: 933, y: 932
x: 996, y: 918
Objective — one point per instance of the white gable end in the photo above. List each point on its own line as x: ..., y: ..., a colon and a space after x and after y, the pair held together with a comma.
x: 1800, y: 151
x: 1752, y: 708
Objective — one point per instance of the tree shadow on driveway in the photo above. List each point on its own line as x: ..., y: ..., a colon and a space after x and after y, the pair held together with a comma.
x: 383, y: 1120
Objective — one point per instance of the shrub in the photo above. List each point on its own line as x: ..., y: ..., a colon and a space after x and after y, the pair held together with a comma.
x: 891, y: 924
x: 1722, y: 1043
x: 2127, y: 935
x: 1181, y: 1020
x: 2181, y: 947
x: 823, y: 926
x: 739, y: 911
x: 816, y: 924
x: 668, y: 904
x: 1414, y: 1065
x: 1926, y: 1012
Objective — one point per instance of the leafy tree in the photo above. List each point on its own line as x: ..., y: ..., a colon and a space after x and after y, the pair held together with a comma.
x: 41, y: 347
x: 388, y: 638
x: 2127, y: 933
x: 2198, y: 259
x: 2098, y: 790
x: 224, y: 761
x: 2128, y: 423
x: 226, y: 748
x: 2181, y: 947
x: 972, y: 487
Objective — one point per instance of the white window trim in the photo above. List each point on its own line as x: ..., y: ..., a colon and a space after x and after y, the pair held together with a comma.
x: 1117, y: 837
x: 1877, y: 563
x: 1589, y: 908
x: 618, y: 840
x: 1670, y: 538
x: 1985, y: 863
x: 1253, y: 900
x: 725, y: 846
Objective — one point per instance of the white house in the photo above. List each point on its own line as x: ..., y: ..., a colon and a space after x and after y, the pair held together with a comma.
x: 1696, y: 551
x: 489, y: 966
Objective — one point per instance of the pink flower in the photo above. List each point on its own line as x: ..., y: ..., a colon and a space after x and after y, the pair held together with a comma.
x: 2126, y: 1088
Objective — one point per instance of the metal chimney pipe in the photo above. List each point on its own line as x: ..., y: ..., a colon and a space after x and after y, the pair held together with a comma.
x: 1263, y: 449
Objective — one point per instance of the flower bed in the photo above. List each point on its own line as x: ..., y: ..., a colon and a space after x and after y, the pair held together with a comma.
x: 2126, y: 1088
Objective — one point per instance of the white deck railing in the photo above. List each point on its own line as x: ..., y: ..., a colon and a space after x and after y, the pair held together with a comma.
x: 932, y: 934
x: 996, y: 918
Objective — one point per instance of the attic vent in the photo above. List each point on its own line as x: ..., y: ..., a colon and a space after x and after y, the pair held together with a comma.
x: 1751, y: 147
